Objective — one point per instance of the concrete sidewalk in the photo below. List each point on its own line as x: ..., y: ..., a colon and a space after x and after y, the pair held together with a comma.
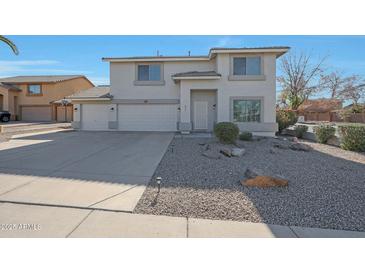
x: 24, y: 220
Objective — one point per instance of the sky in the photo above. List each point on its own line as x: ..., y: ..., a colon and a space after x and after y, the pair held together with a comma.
x: 54, y: 55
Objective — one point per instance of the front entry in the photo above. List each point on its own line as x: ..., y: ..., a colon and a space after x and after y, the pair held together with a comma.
x: 203, y: 109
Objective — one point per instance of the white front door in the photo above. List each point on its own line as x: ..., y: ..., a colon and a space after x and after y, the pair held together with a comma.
x: 201, y: 115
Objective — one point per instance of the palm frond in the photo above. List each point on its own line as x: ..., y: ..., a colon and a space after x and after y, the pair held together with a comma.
x: 10, y: 44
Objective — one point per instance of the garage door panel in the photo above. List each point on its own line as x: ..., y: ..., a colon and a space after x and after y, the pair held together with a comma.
x: 159, y: 117
x: 94, y: 117
x: 36, y: 113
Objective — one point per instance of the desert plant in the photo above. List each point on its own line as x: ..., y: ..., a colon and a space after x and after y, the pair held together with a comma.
x: 285, y: 118
x: 324, y: 133
x: 300, y: 130
x: 352, y: 137
x: 245, y: 136
x: 10, y: 44
x: 226, y: 132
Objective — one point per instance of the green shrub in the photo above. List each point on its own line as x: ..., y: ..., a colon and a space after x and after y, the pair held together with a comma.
x: 300, y: 130
x: 245, y: 136
x: 324, y: 133
x: 285, y: 118
x: 352, y: 137
x: 226, y: 132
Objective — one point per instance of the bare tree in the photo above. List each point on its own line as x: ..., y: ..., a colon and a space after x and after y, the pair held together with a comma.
x: 354, y: 89
x: 335, y: 83
x: 300, y: 78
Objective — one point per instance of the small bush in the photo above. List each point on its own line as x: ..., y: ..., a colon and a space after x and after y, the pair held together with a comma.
x: 324, y: 133
x: 285, y: 118
x: 352, y: 137
x: 300, y: 130
x: 226, y: 132
x: 245, y: 136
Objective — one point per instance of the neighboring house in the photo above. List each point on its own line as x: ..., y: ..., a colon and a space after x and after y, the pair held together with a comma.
x: 320, y: 109
x: 186, y: 93
x: 37, y: 98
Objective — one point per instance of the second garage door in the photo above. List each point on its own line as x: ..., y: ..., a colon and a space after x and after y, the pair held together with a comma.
x: 36, y: 113
x: 94, y: 117
x: 152, y: 117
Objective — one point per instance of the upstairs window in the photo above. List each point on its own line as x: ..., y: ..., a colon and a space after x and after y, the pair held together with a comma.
x: 247, y: 65
x: 149, y: 72
x: 34, y: 90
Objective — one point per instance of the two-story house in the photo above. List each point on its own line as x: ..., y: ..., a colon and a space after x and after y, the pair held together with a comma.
x: 36, y: 98
x: 186, y: 93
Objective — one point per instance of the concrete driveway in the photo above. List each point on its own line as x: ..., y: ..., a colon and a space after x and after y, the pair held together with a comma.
x: 102, y: 170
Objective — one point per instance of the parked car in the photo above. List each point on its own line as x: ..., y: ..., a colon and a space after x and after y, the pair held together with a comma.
x: 4, y: 116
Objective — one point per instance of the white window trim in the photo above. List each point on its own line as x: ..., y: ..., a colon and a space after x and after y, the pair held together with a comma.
x: 233, y: 77
x: 246, y: 98
x: 153, y: 82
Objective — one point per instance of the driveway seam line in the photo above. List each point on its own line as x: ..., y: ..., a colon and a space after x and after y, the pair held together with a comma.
x: 293, y: 231
x: 112, y: 196
x: 77, y: 226
x: 64, y: 206
x: 187, y: 227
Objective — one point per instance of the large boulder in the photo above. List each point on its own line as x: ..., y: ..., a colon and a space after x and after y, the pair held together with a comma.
x: 299, y: 147
x: 226, y: 152
x: 211, y: 154
x: 237, y: 152
x: 265, y: 181
x: 253, y: 172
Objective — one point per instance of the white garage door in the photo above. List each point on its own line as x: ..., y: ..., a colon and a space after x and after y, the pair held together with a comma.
x: 94, y: 117
x: 157, y: 117
x: 36, y: 113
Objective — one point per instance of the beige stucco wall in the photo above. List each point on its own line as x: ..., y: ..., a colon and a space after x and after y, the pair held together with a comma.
x: 53, y: 91
x: 50, y: 92
x: 123, y: 75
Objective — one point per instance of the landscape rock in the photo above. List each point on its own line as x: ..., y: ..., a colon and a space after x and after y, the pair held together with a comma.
x: 273, y: 151
x: 265, y: 181
x: 299, y: 147
x: 281, y: 145
x: 226, y: 152
x: 211, y: 155
x: 333, y: 141
x: 206, y: 147
x: 253, y: 172
x: 238, y: 152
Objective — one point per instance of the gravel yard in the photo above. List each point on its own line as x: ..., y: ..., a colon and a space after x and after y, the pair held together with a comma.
x: 326, y: 185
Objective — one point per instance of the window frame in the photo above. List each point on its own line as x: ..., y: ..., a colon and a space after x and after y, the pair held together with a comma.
x: 247, y: 98
x: 35, y: 94
x: 233, y: 77
x: 160, y: 82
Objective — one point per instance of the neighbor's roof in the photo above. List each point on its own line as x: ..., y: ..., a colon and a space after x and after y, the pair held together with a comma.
x: 39, y: 78
x: 196, y: 74
x: 94, y: 92
x: 279, y: 50
x: 9, y: 87
x: 320, y: 105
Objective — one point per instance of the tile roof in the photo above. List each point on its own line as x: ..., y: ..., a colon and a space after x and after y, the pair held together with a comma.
x: 39, y: 78
x: 196, y: 74
x: 94, y: 92
x: 320, y: 105
x: 7, y: 86
x: 274, y: 48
